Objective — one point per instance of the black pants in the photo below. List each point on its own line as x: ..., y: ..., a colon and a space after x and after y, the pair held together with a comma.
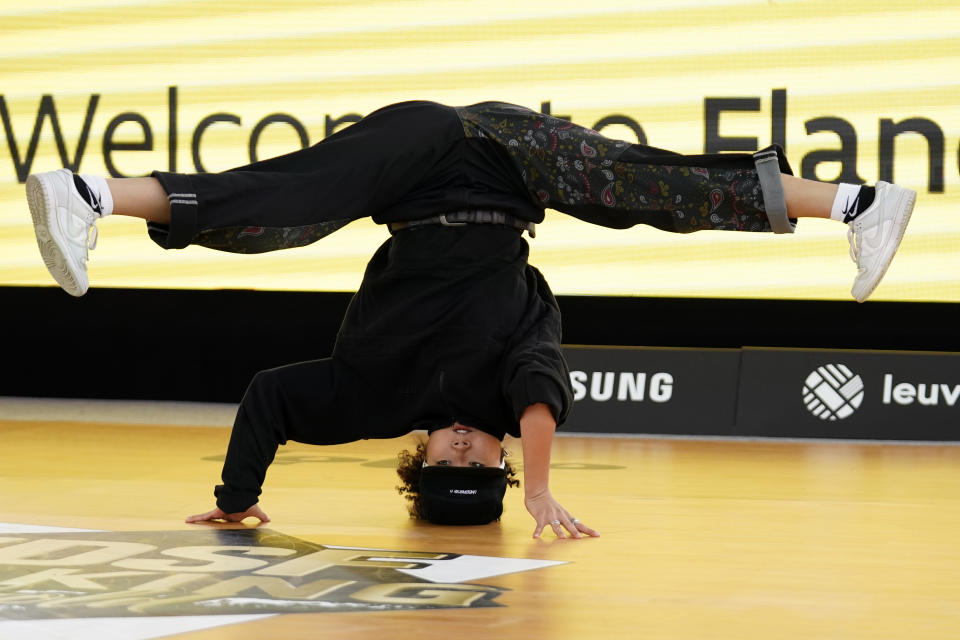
x: 417, y: 159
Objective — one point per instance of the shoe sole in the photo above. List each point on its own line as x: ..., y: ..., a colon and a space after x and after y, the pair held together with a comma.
x: 907, y: 207
x: 54, y: 257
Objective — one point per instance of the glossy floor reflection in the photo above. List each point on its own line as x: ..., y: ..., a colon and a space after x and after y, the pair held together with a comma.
x: 700, y: 539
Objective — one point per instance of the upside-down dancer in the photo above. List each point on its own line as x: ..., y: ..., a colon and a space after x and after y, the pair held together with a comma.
x: 451, y: 332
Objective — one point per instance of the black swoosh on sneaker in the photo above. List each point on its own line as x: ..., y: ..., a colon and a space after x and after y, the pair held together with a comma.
x: 850, y: 209
x: 91, y: 198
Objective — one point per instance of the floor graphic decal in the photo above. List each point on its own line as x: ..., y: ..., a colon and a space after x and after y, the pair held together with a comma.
x: 50, y: 574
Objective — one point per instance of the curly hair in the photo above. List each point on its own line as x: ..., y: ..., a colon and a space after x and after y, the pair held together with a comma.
x: 410, y: 467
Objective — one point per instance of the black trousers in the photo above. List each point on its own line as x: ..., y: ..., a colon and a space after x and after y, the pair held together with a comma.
x: 417, y: 159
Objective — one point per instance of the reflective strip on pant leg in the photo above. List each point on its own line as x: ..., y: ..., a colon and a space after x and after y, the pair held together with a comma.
x: 183, y: 212
x: 774, y: 201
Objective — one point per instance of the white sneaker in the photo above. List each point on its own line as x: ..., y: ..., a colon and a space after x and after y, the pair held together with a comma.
x: 875, y: 235
x: 62, y: 220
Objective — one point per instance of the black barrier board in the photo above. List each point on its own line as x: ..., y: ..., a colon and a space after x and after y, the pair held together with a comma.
x: 653, y: 390
x: 849, y: 394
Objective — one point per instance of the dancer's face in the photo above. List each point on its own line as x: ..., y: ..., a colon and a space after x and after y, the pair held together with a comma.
x: 462, y: 446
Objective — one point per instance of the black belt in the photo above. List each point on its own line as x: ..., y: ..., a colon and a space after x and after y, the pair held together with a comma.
x: 462, y: 218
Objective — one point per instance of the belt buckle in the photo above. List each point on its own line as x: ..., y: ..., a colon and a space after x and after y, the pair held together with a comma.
x: 443, y: 221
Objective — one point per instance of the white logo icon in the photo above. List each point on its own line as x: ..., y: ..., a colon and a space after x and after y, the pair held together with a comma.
x: 832, y: 392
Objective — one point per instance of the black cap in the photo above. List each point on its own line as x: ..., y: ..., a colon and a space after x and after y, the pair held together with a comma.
x: 462, y: 495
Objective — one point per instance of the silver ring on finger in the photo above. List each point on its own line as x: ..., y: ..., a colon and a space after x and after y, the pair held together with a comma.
x: 575, y: 521
x: 555, y: 522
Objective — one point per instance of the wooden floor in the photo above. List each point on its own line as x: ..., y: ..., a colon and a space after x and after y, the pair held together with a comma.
x: 700, y: 538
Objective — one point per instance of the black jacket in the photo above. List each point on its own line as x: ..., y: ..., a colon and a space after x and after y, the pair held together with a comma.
x: 450, y: 324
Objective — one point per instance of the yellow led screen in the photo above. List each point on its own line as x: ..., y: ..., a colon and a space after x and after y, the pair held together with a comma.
x: 863, y: 90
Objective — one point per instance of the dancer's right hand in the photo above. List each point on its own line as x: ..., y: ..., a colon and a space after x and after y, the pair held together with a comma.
x: 217, y: 514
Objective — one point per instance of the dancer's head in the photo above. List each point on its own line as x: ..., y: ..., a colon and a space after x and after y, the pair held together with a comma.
x: 457, y: 476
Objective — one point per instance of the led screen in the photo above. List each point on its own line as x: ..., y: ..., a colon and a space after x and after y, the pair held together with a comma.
x: 854, y: 90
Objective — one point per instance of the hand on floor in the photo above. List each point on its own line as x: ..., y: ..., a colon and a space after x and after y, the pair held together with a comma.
x: 547, y: 511
x: 217, y: 514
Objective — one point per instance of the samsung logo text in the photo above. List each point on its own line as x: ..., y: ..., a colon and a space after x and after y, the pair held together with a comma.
x: 601, y: 386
